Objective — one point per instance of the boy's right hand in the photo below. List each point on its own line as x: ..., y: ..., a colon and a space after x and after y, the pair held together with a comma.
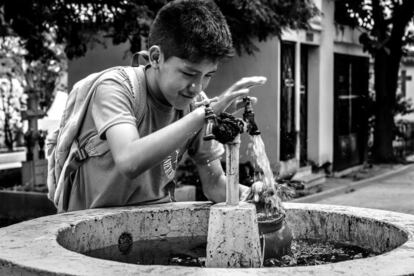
x: 231, y: 99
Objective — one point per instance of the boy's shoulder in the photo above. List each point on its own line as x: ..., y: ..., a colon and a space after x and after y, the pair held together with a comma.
x: 118, y: 73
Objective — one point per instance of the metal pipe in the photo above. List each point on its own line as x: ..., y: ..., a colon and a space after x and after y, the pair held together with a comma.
x: 248, y: 117
x: 232, y: 171
x: 210, y: 123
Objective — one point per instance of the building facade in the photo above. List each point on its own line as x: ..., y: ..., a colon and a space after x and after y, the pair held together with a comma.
x: 311, y: 110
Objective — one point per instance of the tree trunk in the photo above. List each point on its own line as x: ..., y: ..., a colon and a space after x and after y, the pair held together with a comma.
x: 386, y: 79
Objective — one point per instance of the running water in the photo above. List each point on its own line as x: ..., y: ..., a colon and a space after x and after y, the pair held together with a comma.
x: 258, y: 153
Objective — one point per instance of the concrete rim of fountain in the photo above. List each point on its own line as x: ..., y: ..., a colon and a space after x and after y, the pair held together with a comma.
x: 34, y: 247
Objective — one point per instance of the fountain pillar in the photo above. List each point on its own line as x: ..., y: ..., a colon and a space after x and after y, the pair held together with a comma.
x: 233, y: 234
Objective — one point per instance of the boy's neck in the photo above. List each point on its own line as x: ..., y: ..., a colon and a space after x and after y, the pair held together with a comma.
x: 152, y: 86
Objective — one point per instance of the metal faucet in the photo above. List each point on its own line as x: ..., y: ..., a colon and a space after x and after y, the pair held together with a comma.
x: 215, y: 126
x: 210, y: 117
x: 211, y: 121
x: 248, y: 117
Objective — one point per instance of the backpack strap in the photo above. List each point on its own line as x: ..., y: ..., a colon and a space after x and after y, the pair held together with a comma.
x: 140, y: 58
x: 136, y: 79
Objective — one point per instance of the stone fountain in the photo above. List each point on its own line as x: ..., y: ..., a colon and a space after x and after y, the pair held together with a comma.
x: 53, y: 245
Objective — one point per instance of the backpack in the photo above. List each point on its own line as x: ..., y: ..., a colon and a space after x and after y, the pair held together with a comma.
x: 63, y: 152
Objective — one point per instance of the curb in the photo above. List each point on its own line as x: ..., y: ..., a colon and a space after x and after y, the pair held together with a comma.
x: 354, y: 185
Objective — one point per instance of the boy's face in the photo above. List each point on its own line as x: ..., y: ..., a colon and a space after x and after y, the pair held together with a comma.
x: 181, y: 80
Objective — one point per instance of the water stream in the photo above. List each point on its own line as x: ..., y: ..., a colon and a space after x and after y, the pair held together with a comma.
x: 258, y: 154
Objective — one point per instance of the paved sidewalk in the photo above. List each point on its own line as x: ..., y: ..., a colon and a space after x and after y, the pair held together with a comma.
x: 393, y: 191
x: 12, y: 160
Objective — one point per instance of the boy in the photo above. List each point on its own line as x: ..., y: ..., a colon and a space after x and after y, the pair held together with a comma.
x: 186, y: 42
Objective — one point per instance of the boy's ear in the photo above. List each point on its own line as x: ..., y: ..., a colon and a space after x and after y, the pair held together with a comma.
x: 155, y: 56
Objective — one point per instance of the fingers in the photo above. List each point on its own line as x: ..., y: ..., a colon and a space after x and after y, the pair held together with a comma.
x: 240, y: 89
x: 257, y: 187
x: 253, y: 100
x: 241, y: 104
x: 257, y: 190
x: 248, y: 82
x: 228, y: 100
x: 206, y: 101
x: 239, y: 93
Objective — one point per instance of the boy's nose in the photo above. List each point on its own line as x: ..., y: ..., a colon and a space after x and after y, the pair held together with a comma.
x: 195, y: 88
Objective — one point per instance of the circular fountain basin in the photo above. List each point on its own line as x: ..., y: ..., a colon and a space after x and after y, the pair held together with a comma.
x: 53, y: 244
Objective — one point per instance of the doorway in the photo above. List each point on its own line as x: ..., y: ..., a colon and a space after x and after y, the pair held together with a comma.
x: 351, y: 77
x: 287, y: 102
x: 303, y: 135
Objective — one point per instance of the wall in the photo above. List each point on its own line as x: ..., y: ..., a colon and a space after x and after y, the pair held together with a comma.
x: 263, y: 63
x: 98, y: 58
x: 320, y: 91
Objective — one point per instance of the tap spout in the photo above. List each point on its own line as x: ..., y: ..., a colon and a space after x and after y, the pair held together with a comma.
x: 211, y: 121
x: 248, y: 117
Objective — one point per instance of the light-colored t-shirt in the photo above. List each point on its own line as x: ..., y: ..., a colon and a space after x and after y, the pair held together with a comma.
x: 98, y: 183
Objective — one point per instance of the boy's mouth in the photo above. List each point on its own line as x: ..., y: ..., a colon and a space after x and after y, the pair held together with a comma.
x: 187, y: 96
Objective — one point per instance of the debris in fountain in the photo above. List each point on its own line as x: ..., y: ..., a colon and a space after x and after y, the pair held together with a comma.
x: 312, y: 252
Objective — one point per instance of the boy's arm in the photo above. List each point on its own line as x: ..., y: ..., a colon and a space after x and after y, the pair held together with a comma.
x: 134, y: 155
x: 213, y: 181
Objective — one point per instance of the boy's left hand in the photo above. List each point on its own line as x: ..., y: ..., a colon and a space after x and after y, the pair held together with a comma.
x: 255, y: 193
x: 261, y: 195
x: 230, y: 100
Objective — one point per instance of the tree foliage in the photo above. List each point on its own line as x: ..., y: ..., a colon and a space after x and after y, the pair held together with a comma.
x: 386, y: 34
x: 384, y: 22
x: 11, y: 93
x: 18, y: 75
x: 43, y: 25
x: 80, y: 24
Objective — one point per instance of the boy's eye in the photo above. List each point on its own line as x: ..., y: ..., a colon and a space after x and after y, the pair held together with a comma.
x: 188, y: 74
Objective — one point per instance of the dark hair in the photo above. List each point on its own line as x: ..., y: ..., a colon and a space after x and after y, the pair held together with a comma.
x: 192, y: 30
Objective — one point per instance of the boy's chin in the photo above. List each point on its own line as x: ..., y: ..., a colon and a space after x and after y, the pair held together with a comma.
x: 182, y: 105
